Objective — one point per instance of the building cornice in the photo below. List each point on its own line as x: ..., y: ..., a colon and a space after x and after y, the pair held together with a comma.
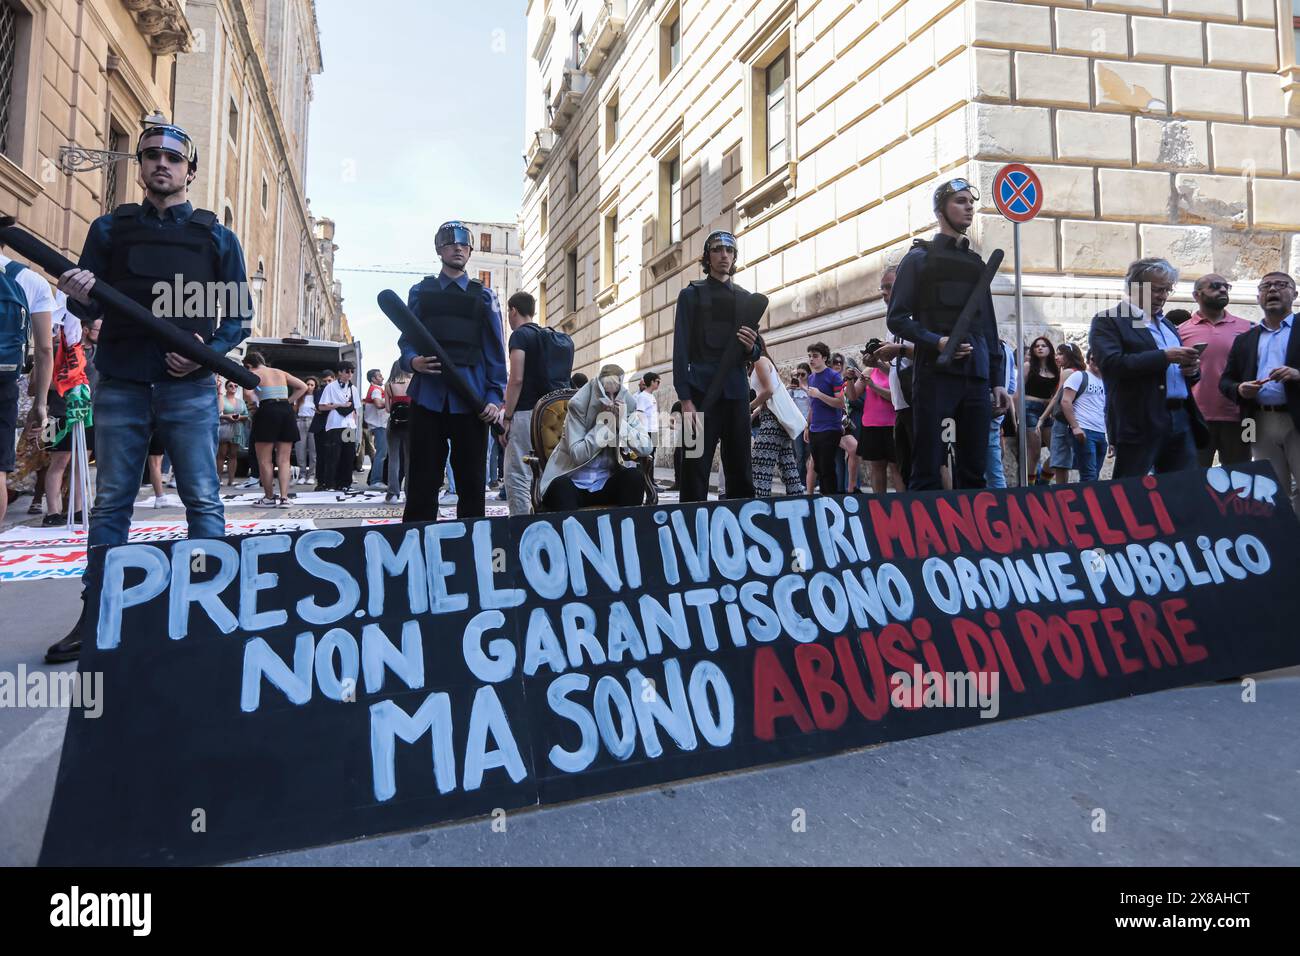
x: 163, y: 24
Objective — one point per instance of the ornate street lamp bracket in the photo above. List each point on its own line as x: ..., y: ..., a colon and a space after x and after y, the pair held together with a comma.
x: 78, y: 159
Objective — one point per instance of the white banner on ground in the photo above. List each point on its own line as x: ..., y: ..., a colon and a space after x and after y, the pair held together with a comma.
x: 33, y: 554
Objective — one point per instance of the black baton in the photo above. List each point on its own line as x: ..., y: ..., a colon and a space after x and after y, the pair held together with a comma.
x: 391, y: 304
x: 173, y: 339
x: 968, y: 311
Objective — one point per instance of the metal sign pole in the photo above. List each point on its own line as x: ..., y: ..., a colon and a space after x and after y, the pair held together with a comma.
x: 1022, y: 466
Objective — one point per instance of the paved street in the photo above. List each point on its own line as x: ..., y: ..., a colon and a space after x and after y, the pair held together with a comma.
x: 1189, y: 776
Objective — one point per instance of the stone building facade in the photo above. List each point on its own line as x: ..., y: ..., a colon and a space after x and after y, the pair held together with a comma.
x: 816, y: 130
x: 79, y: 73
x: 244, y: 94
x: 82, y: 75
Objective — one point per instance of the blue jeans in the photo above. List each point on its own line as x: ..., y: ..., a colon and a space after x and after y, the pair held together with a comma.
x: 126, y: 413
x: 381, y: 455
x: 1089, y: 454
x: 994, y: 476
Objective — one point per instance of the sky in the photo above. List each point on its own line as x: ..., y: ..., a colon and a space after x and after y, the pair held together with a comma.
x: 418, y: 118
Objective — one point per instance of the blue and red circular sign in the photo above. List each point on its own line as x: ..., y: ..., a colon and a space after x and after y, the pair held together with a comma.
x: 1017, y: 192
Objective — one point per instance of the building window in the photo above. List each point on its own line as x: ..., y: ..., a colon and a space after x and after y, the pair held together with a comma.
x: 233, y: 122
x: 578, y: 47
x: 670, y: 200
x: 228, y: 218
x: 777, y: 84
x: 113, y: 171
x: 544, y: 219
x: 8, y: 70
x: 541, y: 304
x: 611, y: 121
x: 573, y: 178
x: 770, y: 148
x: 485, y: 242
x: 571, y: 279
x: 485, y: 279
x: 608, y: 248
x: 670, y: 40
x: 266, y: 194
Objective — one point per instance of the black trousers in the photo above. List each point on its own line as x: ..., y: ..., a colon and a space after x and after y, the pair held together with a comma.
x: 825, y: 456
x: 625, y: 488
x: 347, y: 464
x: 943, y: 403
x: 329, y: 447
x: 1225, y: 438
x: 1162, y: 452
x: 904, y: 440
x: 727, y: 422
x: 431, y: 434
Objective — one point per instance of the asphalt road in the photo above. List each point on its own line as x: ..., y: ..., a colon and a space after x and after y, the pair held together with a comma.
x: 1189, y: 776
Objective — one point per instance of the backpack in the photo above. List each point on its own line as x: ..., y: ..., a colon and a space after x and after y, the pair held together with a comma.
x: 1055, y: 412
x: 15, y: 324
x: 556, y: 352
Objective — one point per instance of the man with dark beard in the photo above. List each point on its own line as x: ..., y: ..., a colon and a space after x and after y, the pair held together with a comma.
x: 1212, y: 329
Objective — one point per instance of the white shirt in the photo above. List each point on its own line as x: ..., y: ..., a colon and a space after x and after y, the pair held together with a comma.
x: 896, y: 387
x: 336, y: 393
x: 1089, y: 406
x: 593, y: 475
x: 39, y: 296
x: 308, y: 407
x: 649, y: 409
x: 374, y: 416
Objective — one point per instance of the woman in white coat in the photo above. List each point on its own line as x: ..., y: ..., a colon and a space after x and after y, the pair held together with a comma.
x: 587, y: 466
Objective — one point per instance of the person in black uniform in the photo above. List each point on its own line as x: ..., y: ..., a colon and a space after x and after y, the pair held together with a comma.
x: 466, y: 320
x: 144, y: 390
x: 707, y: 320
x: 935, y: 279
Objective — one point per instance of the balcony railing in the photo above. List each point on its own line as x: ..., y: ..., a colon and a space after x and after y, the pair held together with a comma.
x: 567, y: 97
x: 604, y: 32
x: 539, y: 151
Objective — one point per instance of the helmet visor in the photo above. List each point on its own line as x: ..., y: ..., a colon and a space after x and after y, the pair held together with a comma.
x: 173, y: 139
x: 453, y: 233
x: 958, y: 185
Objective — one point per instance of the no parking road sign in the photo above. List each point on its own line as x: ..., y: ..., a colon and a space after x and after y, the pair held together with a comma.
x: 1017, y: 192
x: 1019, y: 196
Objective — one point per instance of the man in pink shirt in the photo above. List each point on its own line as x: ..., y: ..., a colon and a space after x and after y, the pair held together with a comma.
x: 1213, y: 327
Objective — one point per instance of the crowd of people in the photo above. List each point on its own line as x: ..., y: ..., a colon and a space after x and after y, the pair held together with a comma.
x: 931, y: 409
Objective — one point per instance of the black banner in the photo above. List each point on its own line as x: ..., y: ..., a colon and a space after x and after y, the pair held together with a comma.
x: 280, y: 691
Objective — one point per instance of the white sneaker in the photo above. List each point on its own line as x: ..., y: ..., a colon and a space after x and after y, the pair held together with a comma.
x: 171, y: 482
x: 158, y: 502
x: 251, y: 483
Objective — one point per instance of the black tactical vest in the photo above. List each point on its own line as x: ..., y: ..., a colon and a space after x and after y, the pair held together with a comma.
x: 144, y: 255
x: 715, y: 322
x: 456, y: 319
x: 947, y: 279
